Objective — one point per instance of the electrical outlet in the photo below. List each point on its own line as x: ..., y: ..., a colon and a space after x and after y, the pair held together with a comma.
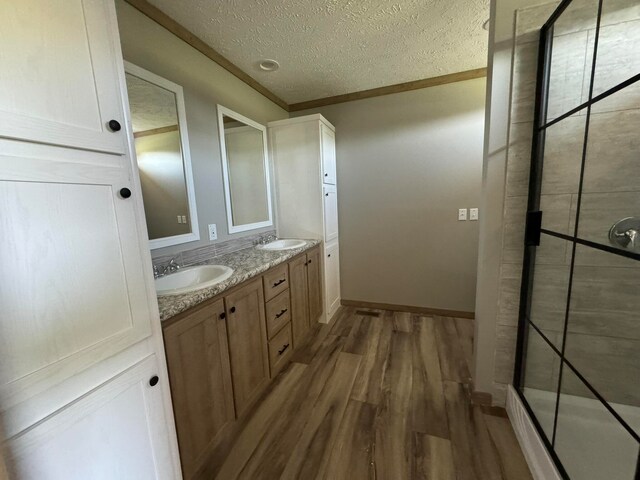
x: 213, y: 232
x: 184, y: 219
x: 179, y: 219
x: 462, y: 214
x: 473, y: 214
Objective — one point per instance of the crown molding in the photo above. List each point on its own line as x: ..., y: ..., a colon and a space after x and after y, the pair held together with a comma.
x: 182, y: 33
x: 390, y: 89
x: 185, y: 35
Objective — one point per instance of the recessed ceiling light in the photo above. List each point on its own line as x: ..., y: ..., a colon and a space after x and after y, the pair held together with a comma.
x: 485, y: 25
x: 269, y: 65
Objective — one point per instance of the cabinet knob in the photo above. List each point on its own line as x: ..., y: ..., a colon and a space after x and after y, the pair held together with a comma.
x: 326, y: 174
x: 329, y: 255
x: 153, y: 381
x: 326, y: 194
x: 232, y: 309
x: 114, y: 125
x: 223, y: 316
x: 125, y: 192
x: 309, y: 261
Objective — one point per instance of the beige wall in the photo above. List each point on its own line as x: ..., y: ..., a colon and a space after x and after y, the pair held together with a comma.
x: 164, y: 190
x: 206, y: 84
x: 406, y: 163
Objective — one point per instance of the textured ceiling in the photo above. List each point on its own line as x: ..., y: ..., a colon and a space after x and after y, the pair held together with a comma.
x: 151, y: 106
x: 333, y: 47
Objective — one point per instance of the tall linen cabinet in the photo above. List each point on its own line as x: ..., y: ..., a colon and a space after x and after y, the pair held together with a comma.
x: 84, y: 392
x: 303, y: 151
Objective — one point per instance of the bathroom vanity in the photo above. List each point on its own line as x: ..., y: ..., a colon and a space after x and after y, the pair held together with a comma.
x: 224, y: 344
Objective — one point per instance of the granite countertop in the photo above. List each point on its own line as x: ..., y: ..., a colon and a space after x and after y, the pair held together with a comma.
x: 246, y: 264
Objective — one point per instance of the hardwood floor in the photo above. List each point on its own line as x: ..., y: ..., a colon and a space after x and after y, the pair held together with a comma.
x: 377, y: 395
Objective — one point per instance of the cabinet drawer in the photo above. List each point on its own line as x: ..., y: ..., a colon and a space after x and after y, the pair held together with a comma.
x: 278, y: 313
x: 275, y: 281
x: 280, y: 349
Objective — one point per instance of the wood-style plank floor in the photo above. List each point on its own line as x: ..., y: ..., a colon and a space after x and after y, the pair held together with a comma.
x: 377, y: 395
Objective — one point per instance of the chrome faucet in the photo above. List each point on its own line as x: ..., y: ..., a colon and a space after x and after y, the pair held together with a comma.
x: 162, y: 270
x: 172, y: 266
x: 625, y: 233
x: 264, y: 239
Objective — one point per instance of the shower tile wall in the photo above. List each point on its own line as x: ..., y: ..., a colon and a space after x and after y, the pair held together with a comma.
x: 603, y: 338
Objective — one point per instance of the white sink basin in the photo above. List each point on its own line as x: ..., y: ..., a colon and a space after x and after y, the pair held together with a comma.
x: 192, y: 278
x: 284, y: 244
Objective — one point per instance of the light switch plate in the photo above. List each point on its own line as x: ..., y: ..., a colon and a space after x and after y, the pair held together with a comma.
x: 462, y: 214
x: 473, y: 214
x: 213, y: 231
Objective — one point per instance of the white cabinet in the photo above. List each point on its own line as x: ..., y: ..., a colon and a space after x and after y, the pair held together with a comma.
x: 330, y: 213
x: 121, y: 426
x: 332, y: 275
x: 304, y: 158
x: 59, y: 77
x: 76, y: 287
x: 328, y: 145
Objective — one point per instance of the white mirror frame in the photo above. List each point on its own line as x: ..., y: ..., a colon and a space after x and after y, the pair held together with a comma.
x: 194, y: 235
x: 225, y: 170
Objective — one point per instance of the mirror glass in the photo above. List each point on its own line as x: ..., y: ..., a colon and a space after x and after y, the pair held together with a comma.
x: 159, y: 131
x: 246, y: 171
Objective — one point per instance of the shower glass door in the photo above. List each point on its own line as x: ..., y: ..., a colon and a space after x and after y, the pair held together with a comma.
x: 578, y: 355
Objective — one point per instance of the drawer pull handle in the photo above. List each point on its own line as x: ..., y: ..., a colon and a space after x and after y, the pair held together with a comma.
x: 279, y: 282
x: 278, y: 315
x: 280, y: 352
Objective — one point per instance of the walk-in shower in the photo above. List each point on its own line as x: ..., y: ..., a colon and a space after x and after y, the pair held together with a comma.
x: 578, y: 352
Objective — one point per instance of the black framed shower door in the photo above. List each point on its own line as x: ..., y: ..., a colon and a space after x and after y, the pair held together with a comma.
x: 573, y: 274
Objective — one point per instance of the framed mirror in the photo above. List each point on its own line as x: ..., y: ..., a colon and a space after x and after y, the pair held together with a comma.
x: 162, y: 149
x: 245, y: 167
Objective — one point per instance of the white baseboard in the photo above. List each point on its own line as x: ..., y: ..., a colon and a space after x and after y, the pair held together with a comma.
x: 535, y: 453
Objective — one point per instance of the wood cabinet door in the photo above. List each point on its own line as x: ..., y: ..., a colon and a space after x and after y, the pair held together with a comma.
x: 299, y: 299
x: 332, y: 278
x: 330, y: 213
x: 328, y: 142
x: 246, y: 327
x: 117, y: 431
x: 59, y: 83
x: 314, y: 283
x: 200, y: 374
